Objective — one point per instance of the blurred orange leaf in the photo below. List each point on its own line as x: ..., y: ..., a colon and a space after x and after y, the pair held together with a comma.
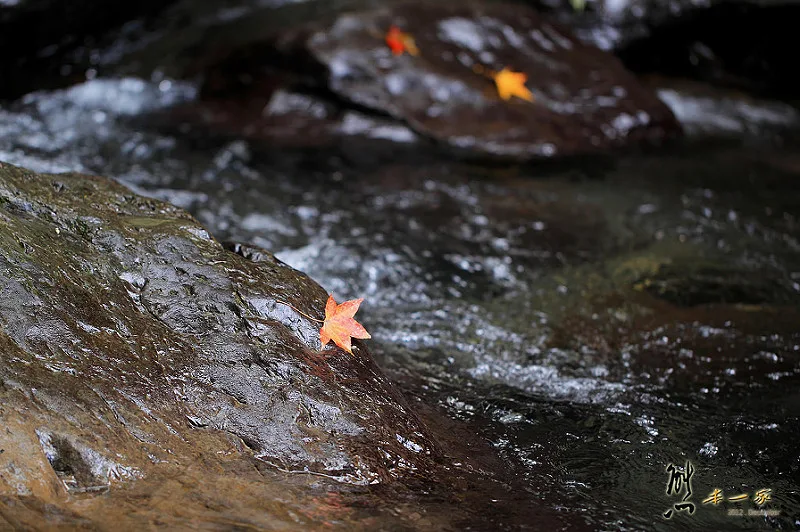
x: 339, y: 324
x: 399, y: 41
x: 510, y: 83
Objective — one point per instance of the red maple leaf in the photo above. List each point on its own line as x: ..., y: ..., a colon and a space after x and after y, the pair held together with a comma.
x: 399, y: 41
x: 339, y: 324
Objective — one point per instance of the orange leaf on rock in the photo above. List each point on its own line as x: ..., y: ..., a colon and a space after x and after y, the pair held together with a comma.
x: 510, y: 83
x: 399, y: 41
x: 339, y: 324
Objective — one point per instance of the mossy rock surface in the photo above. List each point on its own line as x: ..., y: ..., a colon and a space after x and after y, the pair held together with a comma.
x: 130, y: 338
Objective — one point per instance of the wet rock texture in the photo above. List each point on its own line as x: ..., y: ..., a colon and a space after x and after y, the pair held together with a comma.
x: 585, y: 100
x: 129, y: 338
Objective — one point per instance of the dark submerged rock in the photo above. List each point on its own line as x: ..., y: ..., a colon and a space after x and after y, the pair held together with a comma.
x: 585, y: 99
x: 708, y: 111
x: 691, y: 285
x: 744, y: 45
x: 129, y: 337
x: 48, y: 44
x: 614, y: 24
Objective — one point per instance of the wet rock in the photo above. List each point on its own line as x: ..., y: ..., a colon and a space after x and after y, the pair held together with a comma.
x: 130, y: 338
x: 585, y: 100
x: 288, y: 119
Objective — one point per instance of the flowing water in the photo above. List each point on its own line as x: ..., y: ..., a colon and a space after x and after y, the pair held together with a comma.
x: 582, y: 324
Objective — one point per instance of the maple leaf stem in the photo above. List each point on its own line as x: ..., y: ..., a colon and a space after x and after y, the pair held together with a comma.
x: 299, y: 311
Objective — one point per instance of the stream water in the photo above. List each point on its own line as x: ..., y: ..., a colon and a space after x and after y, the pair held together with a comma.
x: 587, y: 323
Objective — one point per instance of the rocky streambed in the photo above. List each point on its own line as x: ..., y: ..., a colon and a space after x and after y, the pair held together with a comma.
x: 548, y: 334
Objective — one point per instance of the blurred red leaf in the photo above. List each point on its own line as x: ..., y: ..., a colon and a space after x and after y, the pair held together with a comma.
x: 399, y: 41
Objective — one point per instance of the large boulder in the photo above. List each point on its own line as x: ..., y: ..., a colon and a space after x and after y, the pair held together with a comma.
x: 585, y: 100
x: 130, y: 338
